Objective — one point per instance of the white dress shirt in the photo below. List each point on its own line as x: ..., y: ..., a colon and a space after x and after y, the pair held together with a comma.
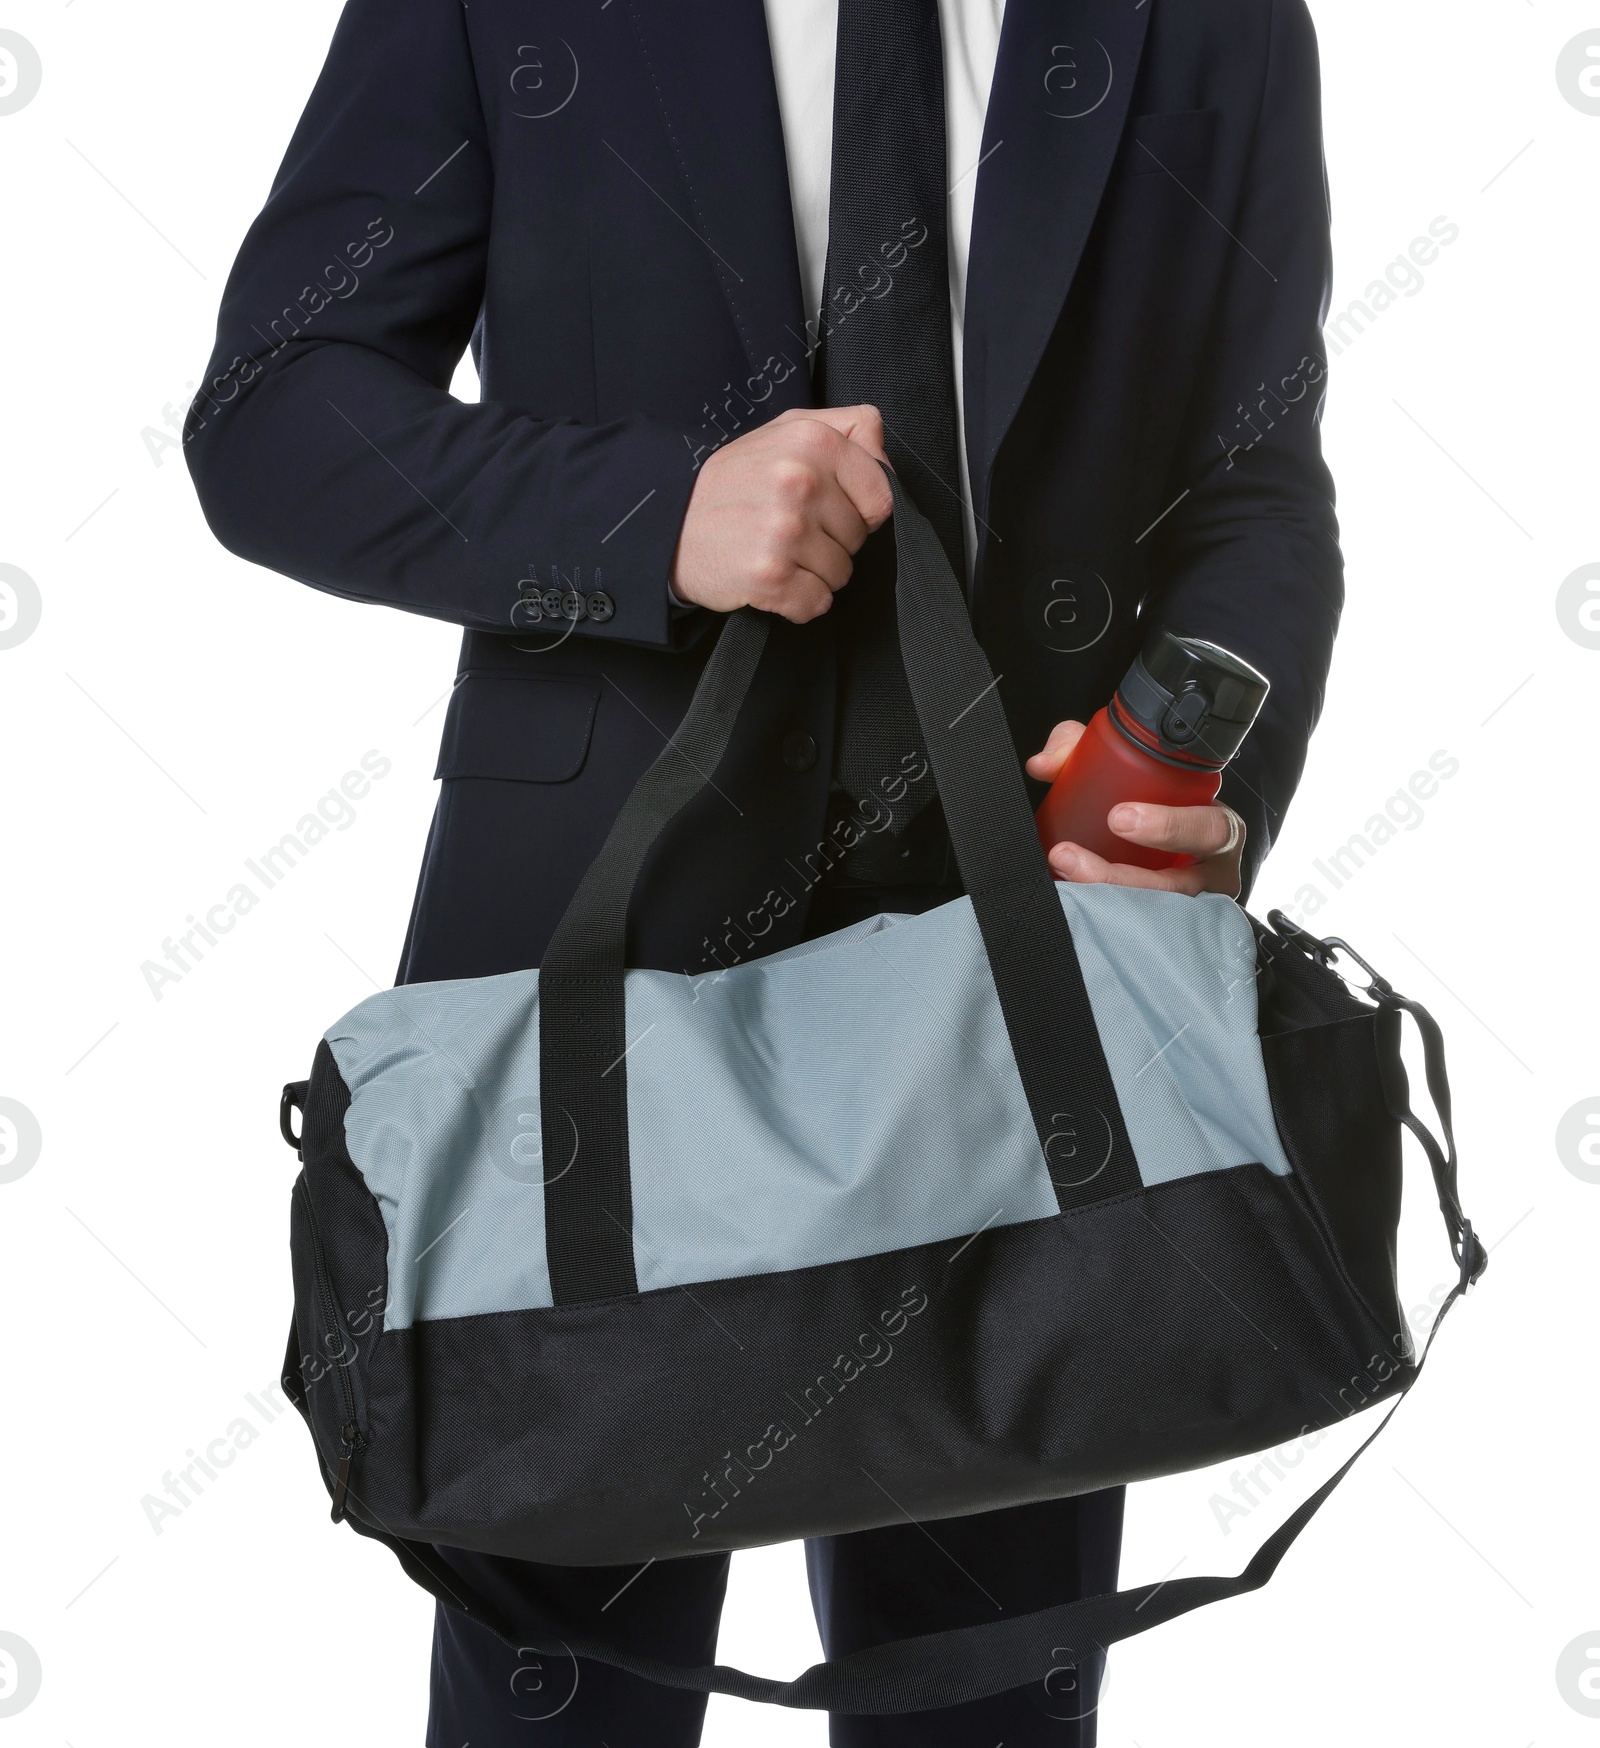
x: 803, y: 34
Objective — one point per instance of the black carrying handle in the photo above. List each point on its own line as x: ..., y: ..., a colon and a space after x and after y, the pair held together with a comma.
x: 294, y: 1097
x: 582, y: 1011
x: 588, y: 1197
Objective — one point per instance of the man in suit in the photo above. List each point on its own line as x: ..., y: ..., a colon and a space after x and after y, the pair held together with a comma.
x: 1062, y: 263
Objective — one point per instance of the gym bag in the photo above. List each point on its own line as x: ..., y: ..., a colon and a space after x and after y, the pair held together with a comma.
x: 1045, y: 1190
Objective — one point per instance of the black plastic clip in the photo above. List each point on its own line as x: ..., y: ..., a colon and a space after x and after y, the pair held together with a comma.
x: 294, y: 1099
x: 1308, y: 943
x: 1379, y: 987
x: 1325, y: 950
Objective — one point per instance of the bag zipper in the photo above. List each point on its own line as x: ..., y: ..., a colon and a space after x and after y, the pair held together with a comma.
x: 349, y: 1431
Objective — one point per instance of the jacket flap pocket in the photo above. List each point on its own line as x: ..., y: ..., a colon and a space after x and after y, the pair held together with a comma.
x: 520, y: 729
x: 1176, y: 145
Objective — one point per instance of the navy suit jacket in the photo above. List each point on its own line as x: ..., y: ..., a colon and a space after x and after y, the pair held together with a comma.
x: 596, y: 200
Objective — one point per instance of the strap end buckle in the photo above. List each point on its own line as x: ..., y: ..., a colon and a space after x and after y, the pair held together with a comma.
x: 1472, y: 1256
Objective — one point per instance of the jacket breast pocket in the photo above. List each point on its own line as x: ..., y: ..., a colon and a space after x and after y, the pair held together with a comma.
x: 517, y: 728
x: 1177, y: 146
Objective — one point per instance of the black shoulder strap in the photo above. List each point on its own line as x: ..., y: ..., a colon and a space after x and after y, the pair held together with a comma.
x: 1471, y: 1258
x: 938, y: 1669
x: 947, y: 1669
x: 582, y: 1012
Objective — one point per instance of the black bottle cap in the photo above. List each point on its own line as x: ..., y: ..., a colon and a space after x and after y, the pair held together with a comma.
x: 1195, y: 699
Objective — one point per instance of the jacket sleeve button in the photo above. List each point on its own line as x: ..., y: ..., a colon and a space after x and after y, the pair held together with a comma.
x: 799, y: 750
x: 572, y: 606
x: 600, y: 605
x: 551, y: 600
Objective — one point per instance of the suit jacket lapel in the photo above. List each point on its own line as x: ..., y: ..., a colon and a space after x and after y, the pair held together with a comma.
x: 1062, y: 86
x: 711, y: 64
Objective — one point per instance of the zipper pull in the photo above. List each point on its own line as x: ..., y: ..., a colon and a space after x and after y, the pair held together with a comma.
x: 349, y: 1437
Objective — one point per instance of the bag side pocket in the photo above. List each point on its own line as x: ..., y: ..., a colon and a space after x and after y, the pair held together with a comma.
x: 1326, y: 1084
x: 339, y: 1247
x: 328, y: 1378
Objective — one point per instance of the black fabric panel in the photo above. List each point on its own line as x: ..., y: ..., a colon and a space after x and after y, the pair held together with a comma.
x: 354, y: 1235
x: 1328, y: 1099
x: 1134, y: 1338
x: 306, y: 1377
x: 338, y: 1321
x: 1299, y: 988
x: 588, y: 1188
x: 1048, y: 1016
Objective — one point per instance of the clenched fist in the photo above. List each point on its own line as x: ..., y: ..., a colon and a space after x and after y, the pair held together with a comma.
x: 777, y: 516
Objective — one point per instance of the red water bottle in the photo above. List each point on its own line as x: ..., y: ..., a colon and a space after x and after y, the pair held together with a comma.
x: 1179, y: 715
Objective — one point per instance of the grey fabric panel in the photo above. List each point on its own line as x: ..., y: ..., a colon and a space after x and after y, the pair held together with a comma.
x: 437, y: 1074
x: 1173, y: 985
x: 852, y: 1095
x: 853, y: 1100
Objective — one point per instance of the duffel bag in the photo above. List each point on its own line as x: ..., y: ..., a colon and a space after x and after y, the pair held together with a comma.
x: 1045, y: 1190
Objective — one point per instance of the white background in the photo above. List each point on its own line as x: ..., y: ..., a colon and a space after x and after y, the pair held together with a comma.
x: 178, y: 711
